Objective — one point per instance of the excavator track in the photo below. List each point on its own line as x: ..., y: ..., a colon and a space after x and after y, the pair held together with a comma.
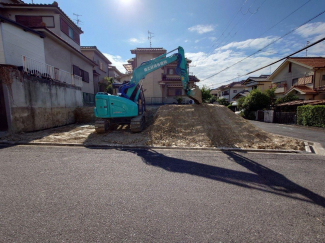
x: 138, y: 123
x: 102, y: 125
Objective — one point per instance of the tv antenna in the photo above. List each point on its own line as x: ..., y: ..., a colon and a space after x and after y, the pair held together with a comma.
x: 77, y: 20
x: 150, y: 36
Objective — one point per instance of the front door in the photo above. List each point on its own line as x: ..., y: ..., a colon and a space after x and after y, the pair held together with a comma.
x: 3, y: 115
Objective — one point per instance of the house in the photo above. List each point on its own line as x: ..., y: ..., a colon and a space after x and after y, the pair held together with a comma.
x: 101, y: 70
x: 229, y: 91
x: 162, y: 85
x: 60, y: 49
x: 302, y: 76
x: 262, y: 83
x: 44, y: 76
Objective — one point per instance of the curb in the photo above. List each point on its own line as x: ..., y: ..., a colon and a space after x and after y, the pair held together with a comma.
x: 115, y: 146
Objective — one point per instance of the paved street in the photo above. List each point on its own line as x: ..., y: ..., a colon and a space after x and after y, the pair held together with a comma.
x: 73, y: 194
x: 306, y: 133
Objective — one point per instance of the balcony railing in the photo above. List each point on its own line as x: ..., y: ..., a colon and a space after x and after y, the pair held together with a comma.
x: 43, y: 70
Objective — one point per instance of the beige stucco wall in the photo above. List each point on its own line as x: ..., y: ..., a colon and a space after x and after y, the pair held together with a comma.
x: 150, y: 83
x: 57, y: 54
x: 318, y: 78
x: 297, y: 71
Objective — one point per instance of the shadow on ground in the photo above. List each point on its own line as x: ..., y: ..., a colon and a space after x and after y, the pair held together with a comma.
x: 262, y: 178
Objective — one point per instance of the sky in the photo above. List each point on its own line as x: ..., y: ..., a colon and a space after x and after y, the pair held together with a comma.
x: 219, y: 36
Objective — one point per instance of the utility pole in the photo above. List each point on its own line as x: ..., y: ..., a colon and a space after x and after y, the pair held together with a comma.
x: 307, y: 49
x: 77, y: 20
x: 150, y: 36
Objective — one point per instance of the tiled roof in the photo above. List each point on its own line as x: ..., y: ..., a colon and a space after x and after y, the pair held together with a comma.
x: 40, y: 6
x: 302, y: 89
x: 314, y: 62
x: 191, y: 78
x: 98, y: 52
x: 159, y: 49
x: 302, y: 102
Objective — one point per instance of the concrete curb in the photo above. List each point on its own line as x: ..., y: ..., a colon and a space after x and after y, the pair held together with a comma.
x: 115, y: 146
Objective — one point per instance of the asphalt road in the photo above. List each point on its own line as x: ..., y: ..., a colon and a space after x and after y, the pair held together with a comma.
x: 72, y: 194
x: 306, y: 133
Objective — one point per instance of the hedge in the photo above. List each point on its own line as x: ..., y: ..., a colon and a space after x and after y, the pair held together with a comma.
x: 311, y: 115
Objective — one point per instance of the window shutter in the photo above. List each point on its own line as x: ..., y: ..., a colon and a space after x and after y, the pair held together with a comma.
x: 76, y: 70
x: 86, y: 76
x: 77, y: 37
x: 82, y: 74
x: 29, y: 21
x: 64, y: 27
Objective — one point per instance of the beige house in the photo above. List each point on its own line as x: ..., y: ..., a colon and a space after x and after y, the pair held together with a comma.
x: 58, y: 54
x: 162, y: 86
x: 101, y: 70
x: 262, y: 83
x: 302, y: 76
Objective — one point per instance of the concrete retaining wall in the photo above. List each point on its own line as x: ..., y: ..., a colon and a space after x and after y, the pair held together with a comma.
x: 269, y: 116
x: 35, y: 104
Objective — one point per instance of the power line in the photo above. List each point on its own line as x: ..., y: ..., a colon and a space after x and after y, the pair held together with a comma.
x: 308, y: 46
x: 266, y: 46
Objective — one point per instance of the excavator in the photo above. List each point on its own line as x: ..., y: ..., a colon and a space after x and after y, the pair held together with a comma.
x: 129, y: 106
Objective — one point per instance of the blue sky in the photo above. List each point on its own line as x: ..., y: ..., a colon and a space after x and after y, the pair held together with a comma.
x: 214, y: 33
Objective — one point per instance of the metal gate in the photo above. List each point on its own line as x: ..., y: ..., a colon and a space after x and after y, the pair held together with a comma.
x: 285, y: 117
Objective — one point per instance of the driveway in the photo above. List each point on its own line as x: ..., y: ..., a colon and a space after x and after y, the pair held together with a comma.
x: 313, y: 134
x: 70, y: 194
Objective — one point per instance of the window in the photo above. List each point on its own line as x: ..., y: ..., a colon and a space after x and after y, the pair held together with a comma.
x: 101, y: 66
x: 290, y: 66
x: 81, y: 73
x: 69, y: 31
x: 35, y: 21
x: 294, y: 81
x: 235, y: 91
x: 171, y: 71
x: 323, y: 77
x: 175, y: 92
x: 71, y: 35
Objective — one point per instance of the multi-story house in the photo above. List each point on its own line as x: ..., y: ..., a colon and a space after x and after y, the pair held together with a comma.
x: 228, y: 91
x: 59, y: 49
x: 262, y: 83
x: 302, y: 76
x: 162, y: 85
x: 101, y: 70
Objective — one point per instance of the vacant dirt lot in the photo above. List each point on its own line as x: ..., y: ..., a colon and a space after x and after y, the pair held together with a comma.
x: 173, y: 125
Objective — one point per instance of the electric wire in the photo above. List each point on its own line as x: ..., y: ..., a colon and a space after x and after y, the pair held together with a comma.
x: 294, y: 53
x: 272, y: 42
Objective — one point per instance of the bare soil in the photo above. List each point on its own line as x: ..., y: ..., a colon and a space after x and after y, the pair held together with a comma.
x: 172, y: 125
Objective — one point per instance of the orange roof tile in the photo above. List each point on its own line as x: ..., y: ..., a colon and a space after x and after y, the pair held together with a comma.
x: 314, y: 62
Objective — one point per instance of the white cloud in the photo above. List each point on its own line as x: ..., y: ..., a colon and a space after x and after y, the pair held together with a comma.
x: 250, y: 43
x: 312, y: 29
x: 116, y: 61
x: 201, y: 29
x: 137, y: 41
x: 196, y: 41
x: 186, y: 41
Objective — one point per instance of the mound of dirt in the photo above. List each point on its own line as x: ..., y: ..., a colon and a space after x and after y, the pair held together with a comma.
x: 210, y: 125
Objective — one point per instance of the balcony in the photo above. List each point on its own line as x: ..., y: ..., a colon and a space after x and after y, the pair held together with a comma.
x: 43, y: 70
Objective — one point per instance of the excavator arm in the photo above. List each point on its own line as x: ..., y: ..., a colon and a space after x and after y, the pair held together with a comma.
x: 131, y: 90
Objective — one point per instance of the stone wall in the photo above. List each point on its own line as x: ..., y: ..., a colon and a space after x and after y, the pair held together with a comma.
x: 34, y: 104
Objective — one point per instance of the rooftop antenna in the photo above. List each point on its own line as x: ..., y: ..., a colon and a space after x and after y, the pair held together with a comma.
x: 307, y: 49
x: 77, y: 20
x: 150, y: 36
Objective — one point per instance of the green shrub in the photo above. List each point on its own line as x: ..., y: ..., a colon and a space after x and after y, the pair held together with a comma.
x: 223, y: 101
x: 311, y: 115
x: 287, y: 98
x: 205, y: 94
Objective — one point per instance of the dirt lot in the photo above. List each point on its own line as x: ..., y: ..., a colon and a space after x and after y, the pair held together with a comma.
x: 173, y: 125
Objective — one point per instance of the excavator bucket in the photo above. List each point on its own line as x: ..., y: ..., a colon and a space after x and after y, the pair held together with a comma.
x: 196, y: 95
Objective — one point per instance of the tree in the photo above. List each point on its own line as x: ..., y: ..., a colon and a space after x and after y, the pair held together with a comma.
x: 223, y: 101
x: 287, y: 98
x: 205, y: 94
x: 255, y: 100
x: 109, y: 87
x: 271, y: 94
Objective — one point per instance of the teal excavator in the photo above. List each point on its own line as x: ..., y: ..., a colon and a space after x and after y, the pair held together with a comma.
x: 129, y: 106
